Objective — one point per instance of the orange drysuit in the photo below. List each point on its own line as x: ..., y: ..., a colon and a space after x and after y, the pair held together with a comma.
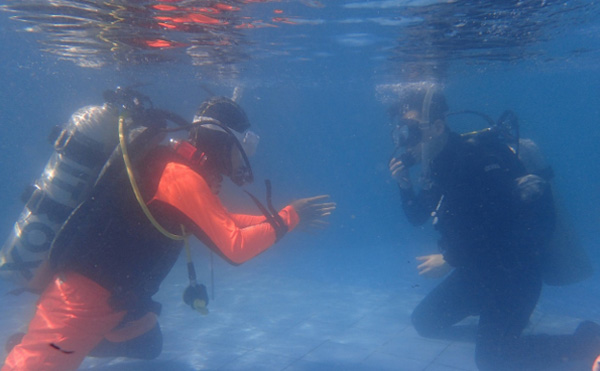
x: 76, y: 310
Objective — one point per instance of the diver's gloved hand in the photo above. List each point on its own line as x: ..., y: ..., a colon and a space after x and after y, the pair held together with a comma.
x: 531, y: 187
x: 313, y: 212
x: 399, y: 167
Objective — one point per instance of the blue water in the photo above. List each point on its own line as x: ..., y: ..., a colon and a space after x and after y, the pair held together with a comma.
x: 310, y: 92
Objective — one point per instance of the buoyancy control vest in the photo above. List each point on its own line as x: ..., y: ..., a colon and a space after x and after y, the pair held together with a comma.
x: 565, y: 260
x: 109, y: 239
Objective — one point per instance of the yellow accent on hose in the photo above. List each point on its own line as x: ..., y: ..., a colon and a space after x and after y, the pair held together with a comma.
x: 198, y: 304
x: 136, y: 190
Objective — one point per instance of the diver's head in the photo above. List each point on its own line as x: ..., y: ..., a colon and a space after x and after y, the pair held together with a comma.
x: 420, y: 109
x: 128, y: 99
x: 226, y: 111
x: 418, y: 119
x: 221, y: 132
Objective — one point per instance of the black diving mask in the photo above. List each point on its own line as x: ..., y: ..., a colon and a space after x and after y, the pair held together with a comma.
x: 243, y: 143
x: 407, y: 133
x: 246, y: 144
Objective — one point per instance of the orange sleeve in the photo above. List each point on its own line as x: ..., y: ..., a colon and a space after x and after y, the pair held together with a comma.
x: 242, y: 220
x: 187, y: 191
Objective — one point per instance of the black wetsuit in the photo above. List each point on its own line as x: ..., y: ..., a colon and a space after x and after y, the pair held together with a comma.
x: 493, y: 239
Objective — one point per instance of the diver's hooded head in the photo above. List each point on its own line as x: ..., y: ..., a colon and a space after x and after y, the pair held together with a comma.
x: 419, y: 124
x: 226, y: 111
x: 420, y: 107
x: 219, y: 131
x: 426, y: 99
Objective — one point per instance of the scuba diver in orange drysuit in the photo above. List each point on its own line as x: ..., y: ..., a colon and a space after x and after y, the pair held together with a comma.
x: 115, y: 249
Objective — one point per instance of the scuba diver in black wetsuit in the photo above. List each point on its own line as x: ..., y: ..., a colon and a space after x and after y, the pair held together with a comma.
x: 494, y: 220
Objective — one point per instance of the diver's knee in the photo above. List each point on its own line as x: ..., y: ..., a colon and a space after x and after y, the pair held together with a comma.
x: 423, y: 325
x: 151, y: 352
x: 150, y: 345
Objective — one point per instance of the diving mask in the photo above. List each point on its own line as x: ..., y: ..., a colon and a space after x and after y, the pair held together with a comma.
x: 244, y: 145
x: 248, y: 140
x: 407, y: 133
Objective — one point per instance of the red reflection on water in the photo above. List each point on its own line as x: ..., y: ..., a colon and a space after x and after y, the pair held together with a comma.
x: 192, y: 18
x: 191, y: 15
x: 227, y: 7
x: 165, y: 8
x: 161, y: 43
x: 283, y: 20
x: 261, y: 1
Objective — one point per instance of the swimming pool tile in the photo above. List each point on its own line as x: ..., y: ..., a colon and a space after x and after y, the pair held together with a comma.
x: 304, y: 365
x: 555, y: 324
x: 370, y: 339
x: 292, y: 346
x: 439, y: 367
x: 385, y: 323
x: 408, y: 344
x: 338, y: 353
x: 388, y: 362
x: 458, y: 356
x: 416, y: 349
x: 325, y: 328
x: 254, y: 360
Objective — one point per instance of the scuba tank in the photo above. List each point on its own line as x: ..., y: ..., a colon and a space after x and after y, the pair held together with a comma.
x: 80, y: 150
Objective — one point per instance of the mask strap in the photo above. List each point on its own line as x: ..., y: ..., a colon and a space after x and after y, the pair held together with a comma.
x: 207, y: 121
